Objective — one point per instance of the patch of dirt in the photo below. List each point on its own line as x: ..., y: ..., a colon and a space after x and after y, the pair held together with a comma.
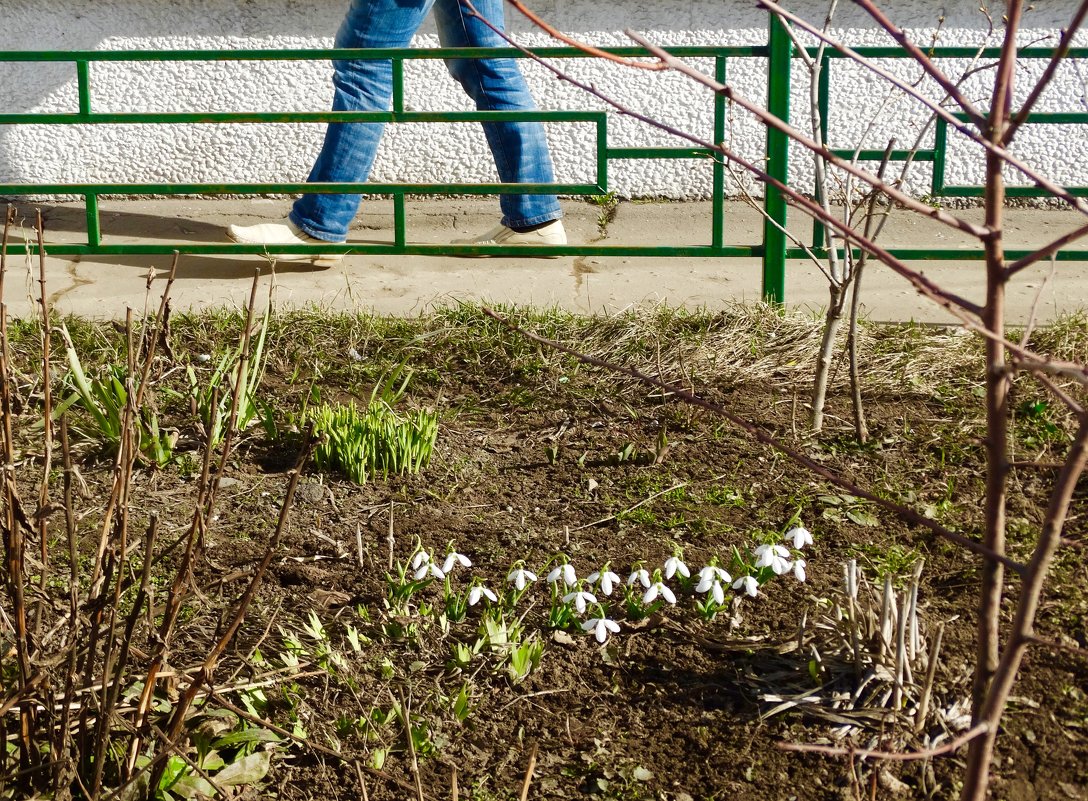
x: 535, y: 462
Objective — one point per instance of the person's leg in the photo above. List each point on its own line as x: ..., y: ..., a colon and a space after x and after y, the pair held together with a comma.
x: 360, y: 85
x: 520, y: 149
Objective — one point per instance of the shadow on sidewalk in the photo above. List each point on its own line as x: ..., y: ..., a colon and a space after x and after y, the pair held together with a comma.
x: 67, y: 223
x: 197, y: 268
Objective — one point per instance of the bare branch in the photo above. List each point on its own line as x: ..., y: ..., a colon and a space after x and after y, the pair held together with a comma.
x: 585, y: 48
x: 1058, y: 646
x: 923, y: 61
x: 764, y: 116
x: 1027, y: 607
x: 1046, y: 251
x: 975, y: 136
x: 958, y: 306
x: 1054, y: 389
x: 1048, y: 74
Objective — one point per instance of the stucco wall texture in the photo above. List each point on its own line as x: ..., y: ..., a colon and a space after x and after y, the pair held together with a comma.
x: 862, y: 112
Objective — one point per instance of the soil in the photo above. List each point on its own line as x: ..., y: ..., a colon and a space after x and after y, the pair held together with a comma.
x: 538, y: 456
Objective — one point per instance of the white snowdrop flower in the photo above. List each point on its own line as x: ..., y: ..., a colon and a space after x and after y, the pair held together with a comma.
x: 478, y: 592
x: 774, y: 557
x: 453, y: 558
x: 799, y: 569
x: 711, y: 575
x: 520, y: 578
x: 710, y: 580
x: 601, y: 626
x: 429, y: 568
x: 424, y: 566
x: 748, y: 584
x: 606, y: 579
x: 641, y: 576
x: 580, y: 599
x: 674, y: 565
x: 717, y: 593
x: 564, y: 571
x: 658, y: 589
x: 799, y: 536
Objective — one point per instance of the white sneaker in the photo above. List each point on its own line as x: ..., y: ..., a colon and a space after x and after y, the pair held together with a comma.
x: 283, y: 233
x: 551, y: 234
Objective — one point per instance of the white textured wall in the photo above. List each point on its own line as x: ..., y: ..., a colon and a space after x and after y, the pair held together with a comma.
x: 862, y: 114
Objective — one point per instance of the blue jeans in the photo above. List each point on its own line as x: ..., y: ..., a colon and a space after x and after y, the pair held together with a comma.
x: 520, y: 149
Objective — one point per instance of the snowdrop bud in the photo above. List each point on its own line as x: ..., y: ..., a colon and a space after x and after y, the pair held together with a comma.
x: 774, y: 557
x: 580, y: 599
x: 607, y: 580
x: 520, y: 578
x: 711, y: 575
x: 564, y: 571
x: 429, y: 569
x: 717, y: 593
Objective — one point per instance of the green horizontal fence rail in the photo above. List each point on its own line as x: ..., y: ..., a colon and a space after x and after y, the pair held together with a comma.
x: 401, y: 246
x: 774, y: 249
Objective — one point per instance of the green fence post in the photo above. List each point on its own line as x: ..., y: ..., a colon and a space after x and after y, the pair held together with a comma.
x: 717, y: 226
x: 94, y: 222
x: 778, y: 103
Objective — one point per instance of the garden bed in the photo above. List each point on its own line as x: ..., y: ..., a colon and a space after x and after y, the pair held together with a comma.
x: 541, y: 459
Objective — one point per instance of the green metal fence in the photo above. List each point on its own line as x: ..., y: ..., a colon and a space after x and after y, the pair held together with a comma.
x: 774, y: 248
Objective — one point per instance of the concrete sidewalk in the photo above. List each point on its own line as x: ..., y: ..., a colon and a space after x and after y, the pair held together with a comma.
x: 102, y: 286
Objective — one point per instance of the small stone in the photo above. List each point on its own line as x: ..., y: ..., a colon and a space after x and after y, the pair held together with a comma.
x: 310, y: 492
x: 562, y: 638
x: 892, y: 784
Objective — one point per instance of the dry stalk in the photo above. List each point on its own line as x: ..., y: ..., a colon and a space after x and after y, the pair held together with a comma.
x: 47, y: 431
x: 203, y: 675
x: 529, y: 770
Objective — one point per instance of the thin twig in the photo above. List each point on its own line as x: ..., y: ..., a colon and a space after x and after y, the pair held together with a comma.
x: 975, y: 136
x: 406, y: 717
x: 203, y: 675
x: 1056, y: 59
x: 47, y: 430
x: 630, y: 508
x: 1046, y: 251
x: 923, y: 61
x: 958, y: 306
x: 529, y: 770
x: 891, y: 756
x: 588, y: 49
